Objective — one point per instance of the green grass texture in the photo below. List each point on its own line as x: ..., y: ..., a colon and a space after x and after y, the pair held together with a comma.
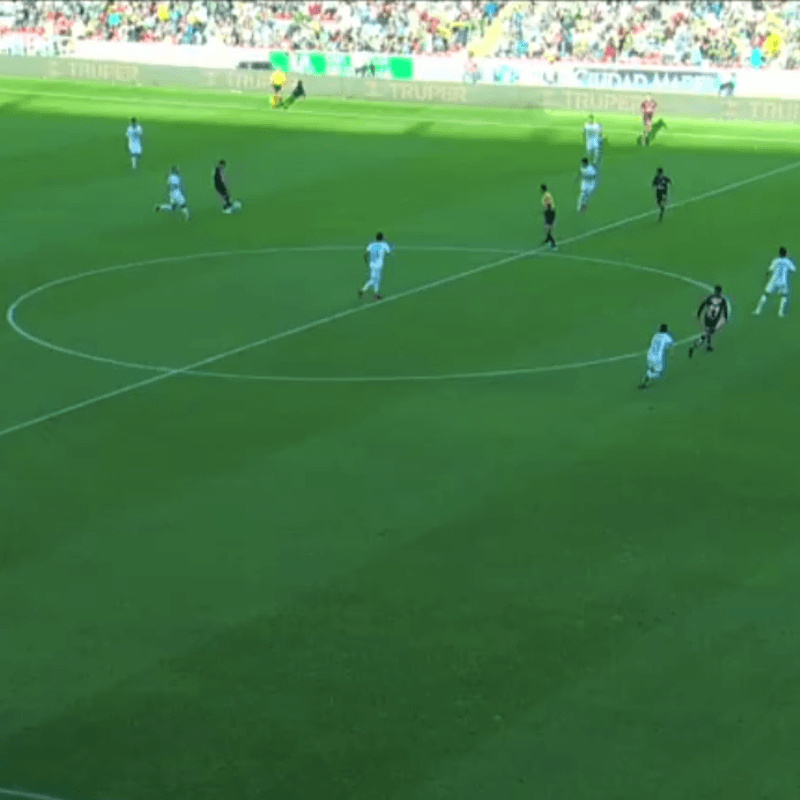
x: 261, y: 539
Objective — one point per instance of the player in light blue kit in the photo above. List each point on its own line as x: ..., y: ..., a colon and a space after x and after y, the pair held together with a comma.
x: 657, y: 355
x: 588, y: 178
x: 373, y: 258
x: 593, y: 138
x: 134, y: 134
x: 177, y: 197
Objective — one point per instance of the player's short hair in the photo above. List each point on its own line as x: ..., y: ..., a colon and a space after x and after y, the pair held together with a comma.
x: 133, y: 120
x: 584, y: 161
x: 718, y: 289
x: 591, y: 117
x: 378, y: 236
x: 174, y: 169
x: 544, y: 187
x: 659, y: 171
x: 221, y: 162
x: 782, y: 252
x: 663, y: 328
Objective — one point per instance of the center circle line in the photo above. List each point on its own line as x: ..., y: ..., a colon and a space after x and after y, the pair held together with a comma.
x: 338, y: 379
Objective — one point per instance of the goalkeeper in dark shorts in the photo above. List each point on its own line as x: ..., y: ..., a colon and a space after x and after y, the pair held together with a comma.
x: 296, y: 94
x: 714, y: 310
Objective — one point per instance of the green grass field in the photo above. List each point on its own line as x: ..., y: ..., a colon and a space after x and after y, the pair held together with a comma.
x: 262, y: 541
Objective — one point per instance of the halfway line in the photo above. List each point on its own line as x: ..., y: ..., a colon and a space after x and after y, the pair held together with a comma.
x: 131, y: 387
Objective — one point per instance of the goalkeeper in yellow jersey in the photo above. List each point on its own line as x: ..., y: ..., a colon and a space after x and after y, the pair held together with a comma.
x: 277, y: 81
x: 296, y: 94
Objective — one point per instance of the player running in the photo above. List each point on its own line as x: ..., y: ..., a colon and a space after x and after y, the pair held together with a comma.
x: 661, y: 183
x: 549, y: 207
x: 588, y: 178
x: 133, y: 134
x: 373, y: 258
x: 714, y: 310
x: 657, y: 355
x: 177, y: 197
x: 221, y: 188
x: 593, y: 139
x: 648, y: 109
x: 778, y: 275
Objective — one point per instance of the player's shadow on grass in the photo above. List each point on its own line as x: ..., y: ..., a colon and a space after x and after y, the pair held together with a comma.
x: 658, y: 126
x: 15, y: 105
x: 419, y: 128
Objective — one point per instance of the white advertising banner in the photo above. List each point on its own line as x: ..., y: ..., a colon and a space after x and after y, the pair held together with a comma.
x: 459, y: 69
x: 646, y: 79
x: 493, y: 71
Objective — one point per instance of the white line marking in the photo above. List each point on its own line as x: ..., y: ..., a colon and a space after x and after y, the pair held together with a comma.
x: 27, y: 795
x: 388, y: 119
x: 359, y: 378
x: 13, y: 309
x: 131, y: 387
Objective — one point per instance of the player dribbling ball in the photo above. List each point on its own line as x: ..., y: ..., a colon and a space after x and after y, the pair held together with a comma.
x: 221, y: 188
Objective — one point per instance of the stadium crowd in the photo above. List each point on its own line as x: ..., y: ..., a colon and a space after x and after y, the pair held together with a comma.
x: 690, y: 32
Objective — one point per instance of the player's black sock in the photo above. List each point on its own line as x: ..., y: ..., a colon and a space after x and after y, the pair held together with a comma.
x: 661, y: 213
x: 550, y: 239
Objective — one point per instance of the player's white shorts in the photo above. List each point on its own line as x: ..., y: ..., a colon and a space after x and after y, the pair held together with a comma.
x: 176, y: 198
x: 587, y: 190
x: 776, y: 287
x: 655, y: 367
x: 135, y: 149
x: 593, y: 150
x: 375, y: 274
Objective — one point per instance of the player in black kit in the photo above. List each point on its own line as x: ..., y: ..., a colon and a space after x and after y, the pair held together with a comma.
x: 714, y: 310
x: 221, y: 188
x: 661, y: 184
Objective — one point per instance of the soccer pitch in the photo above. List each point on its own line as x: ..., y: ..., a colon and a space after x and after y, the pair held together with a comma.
x: 263, y: 540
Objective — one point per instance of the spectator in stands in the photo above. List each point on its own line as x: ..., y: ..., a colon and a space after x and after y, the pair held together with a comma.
x: 719, y: 33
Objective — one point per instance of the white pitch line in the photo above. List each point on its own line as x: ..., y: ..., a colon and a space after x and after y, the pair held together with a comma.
x: 131, y: 387
x: 13, y: 309
x: 27, y: 795
x: 384, y: 119
x: 340, y: 379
